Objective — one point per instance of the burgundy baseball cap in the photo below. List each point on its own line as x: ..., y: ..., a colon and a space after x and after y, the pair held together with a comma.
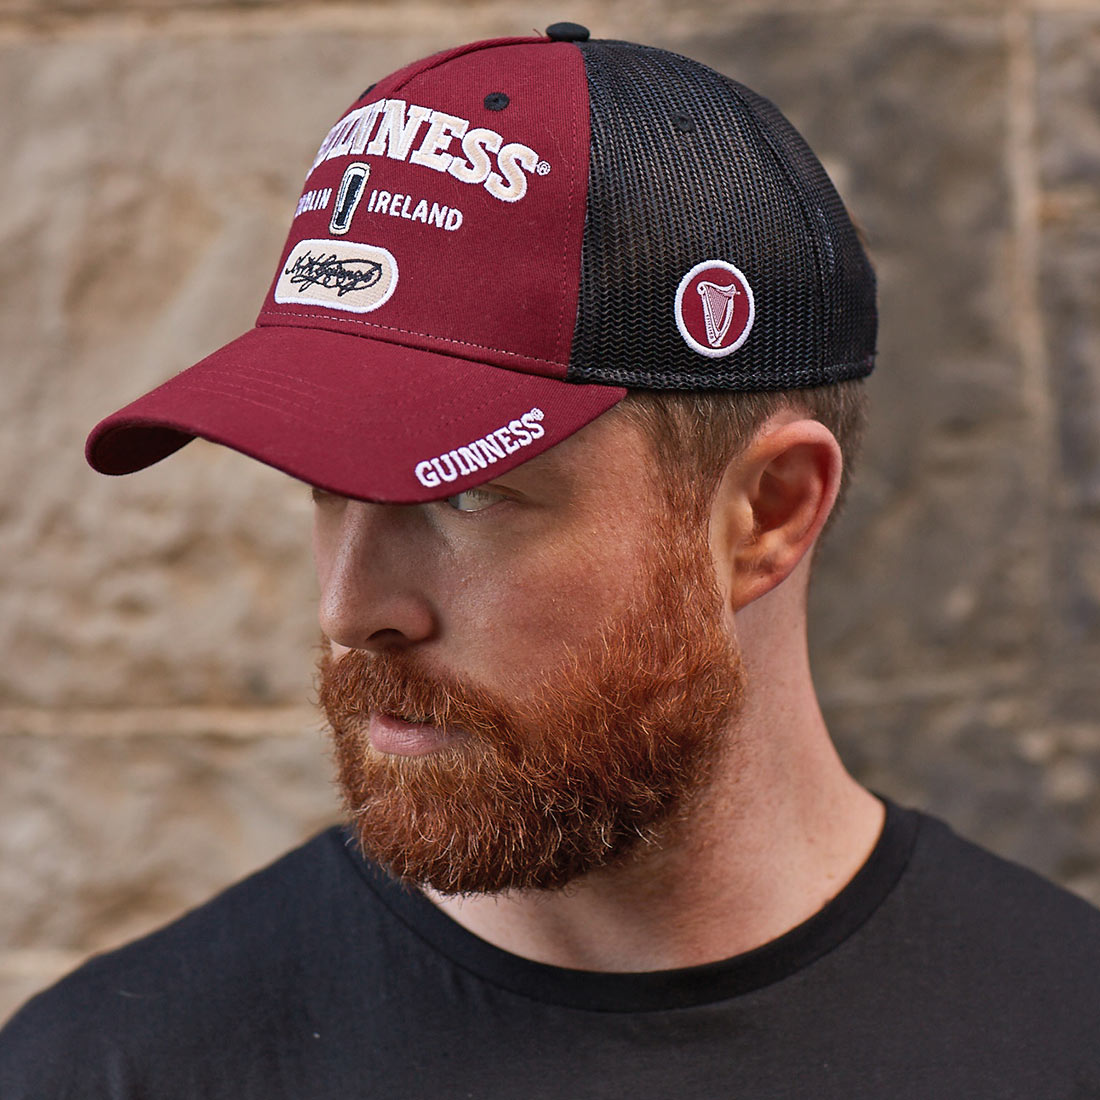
x: 492, y: 244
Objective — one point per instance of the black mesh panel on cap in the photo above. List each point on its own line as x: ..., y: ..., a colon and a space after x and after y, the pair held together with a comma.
x: 687, y: 166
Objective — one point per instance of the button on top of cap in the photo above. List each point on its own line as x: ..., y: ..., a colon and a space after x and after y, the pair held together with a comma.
x: 567, y: 32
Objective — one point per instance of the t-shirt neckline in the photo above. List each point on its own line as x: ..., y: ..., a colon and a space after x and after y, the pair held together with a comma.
x: 657, y: 990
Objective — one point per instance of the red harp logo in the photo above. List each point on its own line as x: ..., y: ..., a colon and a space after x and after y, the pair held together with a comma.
x: 714, y: 308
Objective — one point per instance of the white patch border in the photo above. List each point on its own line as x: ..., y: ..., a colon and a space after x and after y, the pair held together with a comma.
x: 704, y: 349
x: 332, y: 243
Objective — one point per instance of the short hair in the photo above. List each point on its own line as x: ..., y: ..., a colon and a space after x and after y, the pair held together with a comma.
x: 695, y: 434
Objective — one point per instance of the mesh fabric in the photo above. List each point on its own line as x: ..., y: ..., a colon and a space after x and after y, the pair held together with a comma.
x: 732, y: 181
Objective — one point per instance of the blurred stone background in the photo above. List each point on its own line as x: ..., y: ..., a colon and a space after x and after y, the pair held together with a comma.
x: 157, y: 632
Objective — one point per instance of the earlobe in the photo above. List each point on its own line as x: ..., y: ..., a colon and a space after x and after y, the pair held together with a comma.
x: 773, y: 502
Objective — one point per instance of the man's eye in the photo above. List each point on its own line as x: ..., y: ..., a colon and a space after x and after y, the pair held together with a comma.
x: 473, y: 500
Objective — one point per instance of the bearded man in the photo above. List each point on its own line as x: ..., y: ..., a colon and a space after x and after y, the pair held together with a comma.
x: 568, y: 337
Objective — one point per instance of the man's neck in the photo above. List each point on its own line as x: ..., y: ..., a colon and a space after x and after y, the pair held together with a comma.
x: 776, y: 835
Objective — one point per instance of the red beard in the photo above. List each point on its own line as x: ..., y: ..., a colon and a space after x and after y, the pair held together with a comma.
x: 595, y: 760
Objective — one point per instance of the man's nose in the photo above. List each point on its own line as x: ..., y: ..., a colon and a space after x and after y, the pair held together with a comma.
x: 370, y: 560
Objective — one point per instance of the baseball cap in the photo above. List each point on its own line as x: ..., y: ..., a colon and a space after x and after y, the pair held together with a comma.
x: 494, y: 243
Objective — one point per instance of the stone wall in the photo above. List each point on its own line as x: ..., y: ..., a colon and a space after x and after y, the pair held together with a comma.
x: 156, y: 735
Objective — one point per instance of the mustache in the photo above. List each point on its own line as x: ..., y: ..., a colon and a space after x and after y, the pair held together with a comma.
x: 398, y: 684
x: 626, y: 669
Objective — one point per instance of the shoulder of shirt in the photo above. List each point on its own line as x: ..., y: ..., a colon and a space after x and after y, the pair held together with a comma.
x: 970, y: 899
x: 209, y: 957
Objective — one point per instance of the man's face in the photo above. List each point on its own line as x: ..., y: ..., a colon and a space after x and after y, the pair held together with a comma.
x: 523, y: 691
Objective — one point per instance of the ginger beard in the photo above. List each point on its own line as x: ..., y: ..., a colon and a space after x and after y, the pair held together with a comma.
x: 591, y: 763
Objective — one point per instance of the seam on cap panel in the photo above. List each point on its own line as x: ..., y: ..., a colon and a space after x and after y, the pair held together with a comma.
x: 569, y: 215
x: 438, y: 59
x: 412, y: 332
x: 804, y: 201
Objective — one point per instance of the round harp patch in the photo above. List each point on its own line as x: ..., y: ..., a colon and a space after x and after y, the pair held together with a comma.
x: 714, y: 308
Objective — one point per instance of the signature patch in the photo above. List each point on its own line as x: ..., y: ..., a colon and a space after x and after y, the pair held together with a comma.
x: 337, y: 274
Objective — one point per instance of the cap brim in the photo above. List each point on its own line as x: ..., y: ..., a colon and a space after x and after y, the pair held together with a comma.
x: 354, y: 416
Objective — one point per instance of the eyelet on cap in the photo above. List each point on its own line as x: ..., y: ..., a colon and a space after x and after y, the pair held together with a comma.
x: 496, y: 101
x: 567, y: 32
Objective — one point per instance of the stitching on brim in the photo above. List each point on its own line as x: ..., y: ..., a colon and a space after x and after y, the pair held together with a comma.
x: 411, y: 332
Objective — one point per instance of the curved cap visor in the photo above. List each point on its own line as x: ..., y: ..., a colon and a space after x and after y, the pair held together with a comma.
x: 361, y: 418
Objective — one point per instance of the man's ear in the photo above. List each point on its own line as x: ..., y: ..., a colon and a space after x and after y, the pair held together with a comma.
x: 771, y: 505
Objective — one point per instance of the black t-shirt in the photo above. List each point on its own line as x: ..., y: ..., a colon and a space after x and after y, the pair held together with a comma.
x: 940, y: 971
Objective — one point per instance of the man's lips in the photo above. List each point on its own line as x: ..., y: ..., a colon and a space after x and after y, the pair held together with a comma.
x: 396, y: 737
